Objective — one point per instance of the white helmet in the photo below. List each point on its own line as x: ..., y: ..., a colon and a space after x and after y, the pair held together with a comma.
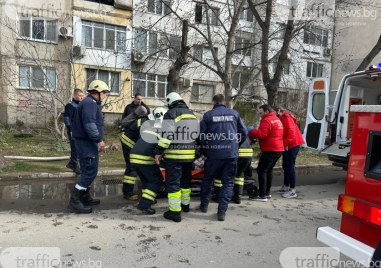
x: 158, y: 113
x: 172, y: 98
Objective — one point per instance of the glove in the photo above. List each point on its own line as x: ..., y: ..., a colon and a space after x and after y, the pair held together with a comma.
x: 250, y: 128
x: 286, y: 148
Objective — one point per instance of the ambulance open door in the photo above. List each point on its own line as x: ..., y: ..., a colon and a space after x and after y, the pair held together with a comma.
x: 315, y: 131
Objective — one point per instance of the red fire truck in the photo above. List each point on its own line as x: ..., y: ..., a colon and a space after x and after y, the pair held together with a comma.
x: 360, y: 229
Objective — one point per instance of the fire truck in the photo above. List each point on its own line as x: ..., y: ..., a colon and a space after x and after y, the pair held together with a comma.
x: 330, y: 120
x: 360, y: 229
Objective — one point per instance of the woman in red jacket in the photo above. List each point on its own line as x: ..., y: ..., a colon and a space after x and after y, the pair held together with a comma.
x: 292, y: 139
x: 270, y: 138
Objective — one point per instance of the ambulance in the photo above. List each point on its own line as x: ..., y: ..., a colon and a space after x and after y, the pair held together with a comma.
x: 329, y: 120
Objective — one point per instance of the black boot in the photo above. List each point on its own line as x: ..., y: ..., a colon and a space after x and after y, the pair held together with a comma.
x: 87, y: 200
x: 236, y: 199
x: 221, y: 216
x: 173, y: 216
x: 75, y: 203
x: 185, y: 208
x: 145, y: 206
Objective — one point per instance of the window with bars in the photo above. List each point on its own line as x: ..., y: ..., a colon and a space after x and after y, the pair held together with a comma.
x: 315, y: 36
x: 314, y: 69
x: 35, y: 28
x: 104, y: 36
x: 112, y: 79
x: 36, y: 77
x: 207, y: 15
x: 164, y: 45
x: 202, y: 93
x: 160, y: 7
x: 149, y: 85
x: 242, y: 47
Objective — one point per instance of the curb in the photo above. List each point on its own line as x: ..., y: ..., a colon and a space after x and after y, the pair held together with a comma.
x: 119, y: 172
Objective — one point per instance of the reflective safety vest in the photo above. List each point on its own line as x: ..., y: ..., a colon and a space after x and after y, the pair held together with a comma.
x: 131, y: 132
x: 245, y: 150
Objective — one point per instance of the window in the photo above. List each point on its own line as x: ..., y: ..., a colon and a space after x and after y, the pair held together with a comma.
x: 242, y: 47
x: 282, y: 98
x: 240, y: 80
x: 314, y: 69
x: 38, y: 29
x: 103, y: 36
x: 204, y: 54
x: 112, y: 79
x: 280, y: 30
x: 202, y: 93
x: 207, y: 15
x: 247, y: 15
x: 105, y: 2
x: 167, y: 46
x: 286, y: 67
x: 318, y: 105
x: 160, y: 7
x: 150, y: 85
x: 315, y: 36
x: 36, y: 77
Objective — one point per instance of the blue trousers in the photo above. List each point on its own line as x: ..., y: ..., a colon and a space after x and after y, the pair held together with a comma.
x: 178, y: 175
x: 88, y: 159
x: 225, y: 169
x: 73, y: 149
x: 289, y: 158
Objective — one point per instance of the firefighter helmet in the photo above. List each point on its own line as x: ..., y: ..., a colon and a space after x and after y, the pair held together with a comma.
x: 158, y: 113
x: 98, y: 86
x: 172, y: 98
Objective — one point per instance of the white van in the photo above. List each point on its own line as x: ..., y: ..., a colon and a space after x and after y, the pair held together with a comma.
x: 329, y: 124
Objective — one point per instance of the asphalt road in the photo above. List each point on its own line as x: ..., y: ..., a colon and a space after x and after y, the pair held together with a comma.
x: 254, y: 234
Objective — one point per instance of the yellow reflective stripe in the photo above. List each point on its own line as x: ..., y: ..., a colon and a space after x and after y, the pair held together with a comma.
x: 245, y: 150
x: 239, y: 181
x: 139, y: 122
x: 245, y: 154
x: 180, y: 157
x: 185, y: 196
x: 217, y: 183
x: 174, y: 201
x: 129, y: 179
x: 164, y: 143
x: 127, y: 141
x: 148, y: 194
x: 183, y: 116
x: 142, y: 157
x: 180, y: 151
x: 142, y: 162
x: 152, y: 133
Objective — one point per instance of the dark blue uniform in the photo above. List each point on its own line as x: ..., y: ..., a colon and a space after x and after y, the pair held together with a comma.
x: 221, y: 133
x: 88, y: 131
x: 69, y: 114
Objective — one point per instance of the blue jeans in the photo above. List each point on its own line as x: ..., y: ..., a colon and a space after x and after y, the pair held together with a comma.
x: 88, y: 159
x: 288, y: 165
x: 225, y: 169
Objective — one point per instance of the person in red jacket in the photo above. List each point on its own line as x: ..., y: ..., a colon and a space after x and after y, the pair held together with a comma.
x: 270, y: 138
x: 292, y: 139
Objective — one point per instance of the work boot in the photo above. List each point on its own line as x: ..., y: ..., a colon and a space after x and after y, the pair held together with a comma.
x: 221, y: 216
x: 87, y: 200
x: 173, y: 216
x: 147, y: 211
x: 185, y: 208
x: 130, y: 197
x: 74, y: 167
x: 75, y: 203
x: 236, y: 199
x: 204, y: 208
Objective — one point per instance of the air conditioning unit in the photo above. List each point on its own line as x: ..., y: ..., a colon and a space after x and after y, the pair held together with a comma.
x: 138, y: 56
x: 327, y: 52
x: 78, y: 51
x: 187, y: 82
x: 123, y: 4
x: 66, y: 32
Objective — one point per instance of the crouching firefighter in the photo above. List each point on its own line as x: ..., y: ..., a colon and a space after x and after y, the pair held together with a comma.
x: 179, y: 157
x: 131, y: 125
x: 245, y: 155
x: 88, y: 131
x: 143, y: 162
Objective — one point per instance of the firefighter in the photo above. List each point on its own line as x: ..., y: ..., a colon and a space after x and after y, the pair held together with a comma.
x: 143, y: 161
x: 130, y: 126
x: 88, y: 132
x: 221, y: 132
x: 179, y: 157
x: 245, y: 155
